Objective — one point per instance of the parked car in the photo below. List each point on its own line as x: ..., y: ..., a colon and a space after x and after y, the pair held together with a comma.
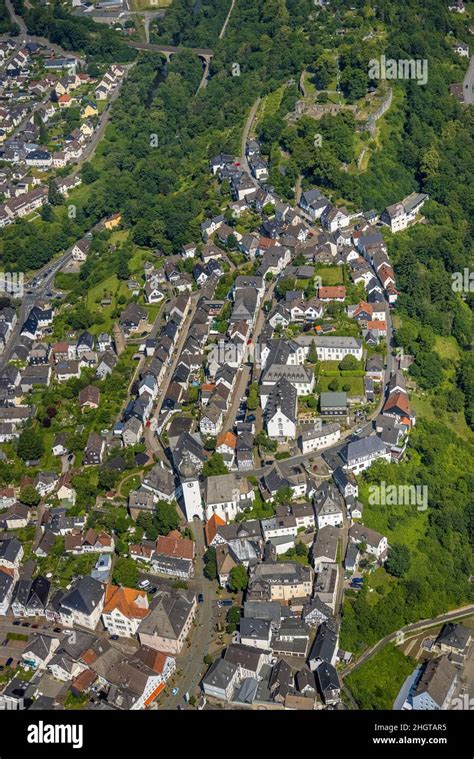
x: 174, y: 691
x: 225, y: 602
x: 16, y: 622
x: 57, y: 629
x: 200, y: 598
x: 114, y: 637
x: 34, y: 627
x: 9, y: 662
x: 251, y: 418
x: 25, y: 624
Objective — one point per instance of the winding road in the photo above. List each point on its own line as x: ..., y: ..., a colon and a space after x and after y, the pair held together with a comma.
x: 464, y: 611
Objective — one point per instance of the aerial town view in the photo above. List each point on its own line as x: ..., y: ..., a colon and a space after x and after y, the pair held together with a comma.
x: 236, y: 366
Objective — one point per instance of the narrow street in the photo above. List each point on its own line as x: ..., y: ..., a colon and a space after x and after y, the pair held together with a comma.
x: 190, y: 662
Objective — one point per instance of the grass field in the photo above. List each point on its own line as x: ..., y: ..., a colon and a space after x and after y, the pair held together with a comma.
x: 331, y: 275
x: 356, y: 384
x: 327, y: 367
x: 376, y: 683
x: 143, y: 5
x: 108, y: 288
x: 456, y: 422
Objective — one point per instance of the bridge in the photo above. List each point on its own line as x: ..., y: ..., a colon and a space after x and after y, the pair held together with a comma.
x: 204, y: 53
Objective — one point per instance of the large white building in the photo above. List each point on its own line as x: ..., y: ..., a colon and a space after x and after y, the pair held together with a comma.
x: 124, y: 609
x: 190, y: 493
x: 321, y: 436
x: 83, y: 604
x: 300, y: 377
x: 361, y: 454
x: 331, y: 348
x: 400, y: 215
x: 280, y: 414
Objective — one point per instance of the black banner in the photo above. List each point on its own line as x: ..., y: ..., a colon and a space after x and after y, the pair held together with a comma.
x: 122, y: 734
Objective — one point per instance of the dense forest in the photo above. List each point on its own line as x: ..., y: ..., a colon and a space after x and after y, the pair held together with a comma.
x: 195, y: 23
x: 439, y: 540
x: 6, y: 26
x: 97, y: 41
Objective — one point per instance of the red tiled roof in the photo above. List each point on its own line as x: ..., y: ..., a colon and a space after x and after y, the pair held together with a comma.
x: 210, y: 529
x: 332, y: 292
x: 125, y: 600
x: 84, y: 680
x: 398, y: 401
x: 181, y: 548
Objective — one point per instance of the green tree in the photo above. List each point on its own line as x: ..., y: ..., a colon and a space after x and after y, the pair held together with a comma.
x: 123, y: 271
x: 284, y: 495
x: 54, y: 196
x: 301, y: 549
x: 252, y: 400
x: 29, y: 496
x: 210, y: 564
x: 214, y: 465
x: 166, y: 517
x: 348, y: 363
x: 125, y: 573
x: 398, y: 561
x: 232, y: 619
x: 238, y: 578
x: 146, y: 522
x: 30, y: 445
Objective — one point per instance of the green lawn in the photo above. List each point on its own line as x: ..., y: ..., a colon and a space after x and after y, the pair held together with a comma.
x: 376, y: 683
x: 329, y: 368
x: 356, y: 384
x: 108, y: 288
x: 331, y: 275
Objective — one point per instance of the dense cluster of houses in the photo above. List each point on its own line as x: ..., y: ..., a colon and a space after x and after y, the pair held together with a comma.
x: 201, y: 356
x: 86, y: 663
x: 35, y: 87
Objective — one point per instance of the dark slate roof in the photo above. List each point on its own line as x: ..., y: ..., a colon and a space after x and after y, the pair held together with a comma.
x: 84, y: 596
x: 282, y: 395
x: 324, y: 644
x: 454, y: 635
x: 327, y: 678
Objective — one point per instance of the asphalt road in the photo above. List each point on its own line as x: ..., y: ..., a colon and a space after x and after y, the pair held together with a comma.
x: 40, y: 40
x: 468, y: 83
x: 190, y: 662
x: 243, y: 155
x: 7, y: 626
